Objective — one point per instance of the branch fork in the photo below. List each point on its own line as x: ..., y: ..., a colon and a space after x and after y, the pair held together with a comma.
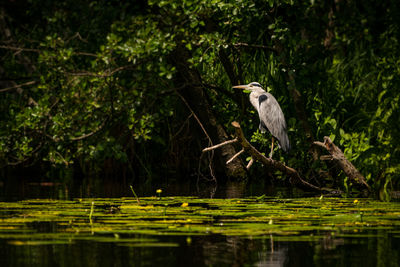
x: 335, y: 154
x: 295, y: 178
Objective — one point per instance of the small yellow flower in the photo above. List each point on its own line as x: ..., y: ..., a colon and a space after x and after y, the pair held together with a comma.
x: 355, y: 201
x: 184, y: 205
x: 159, y: 191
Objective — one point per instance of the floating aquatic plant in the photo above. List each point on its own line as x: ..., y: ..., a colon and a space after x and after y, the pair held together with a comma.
x: 126, y: 221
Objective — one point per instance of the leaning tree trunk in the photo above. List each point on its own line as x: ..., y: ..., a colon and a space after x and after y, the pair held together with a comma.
x: 196, y: 99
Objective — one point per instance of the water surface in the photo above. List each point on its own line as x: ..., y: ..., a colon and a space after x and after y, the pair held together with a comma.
x: 193, y: 231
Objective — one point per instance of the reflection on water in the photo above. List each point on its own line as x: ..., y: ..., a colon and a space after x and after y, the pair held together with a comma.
x: 14, y: 189
x: 207, y: 251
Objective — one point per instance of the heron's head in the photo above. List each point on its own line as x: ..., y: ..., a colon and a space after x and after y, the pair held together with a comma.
x: 253, y: 86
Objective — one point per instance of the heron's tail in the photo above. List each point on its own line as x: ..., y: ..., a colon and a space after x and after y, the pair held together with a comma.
x: 284, y: 143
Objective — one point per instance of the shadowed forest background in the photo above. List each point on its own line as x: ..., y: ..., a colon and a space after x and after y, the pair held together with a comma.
x: 135, y: 90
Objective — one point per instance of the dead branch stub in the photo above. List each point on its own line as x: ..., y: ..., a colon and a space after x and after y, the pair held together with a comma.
x: 336, y: 154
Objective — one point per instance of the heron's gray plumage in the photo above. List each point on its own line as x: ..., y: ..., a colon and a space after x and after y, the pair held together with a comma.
x: 270, y: 113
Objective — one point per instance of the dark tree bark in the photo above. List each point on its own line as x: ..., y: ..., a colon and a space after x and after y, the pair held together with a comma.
x: 301, y: 114
x: 195, y: 96
x: 235, y: 77
x: 7, y: 34
x: 339, y: 158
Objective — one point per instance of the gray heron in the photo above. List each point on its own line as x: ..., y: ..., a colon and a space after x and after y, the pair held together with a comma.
x: 270, y: 113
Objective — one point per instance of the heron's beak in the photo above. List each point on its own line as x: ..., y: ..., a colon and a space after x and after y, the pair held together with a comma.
x: 244, y: 87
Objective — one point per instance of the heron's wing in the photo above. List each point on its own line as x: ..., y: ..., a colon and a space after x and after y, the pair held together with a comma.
x: 271, y: 116
x: 262, y: 98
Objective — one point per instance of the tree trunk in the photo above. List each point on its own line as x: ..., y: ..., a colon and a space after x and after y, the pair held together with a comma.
x: 301, y: 113
x: 194, y: 94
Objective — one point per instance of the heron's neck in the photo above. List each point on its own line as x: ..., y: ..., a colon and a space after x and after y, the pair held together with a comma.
x: 254, y: 98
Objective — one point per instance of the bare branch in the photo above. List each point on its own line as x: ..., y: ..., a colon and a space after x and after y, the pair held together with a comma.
x: 182, y: 127
x: 91, y: 133
x: 250, y: 163
x: 106, y: 73
x: 17, y: 86
x: 221, y: 144
x: 19, y: 49
x: 195, y: 116
x: 320, y: 144
x: 326, y: 157
x: 76, y: 36
x: 235, y: 156
x: 256, y: 46
x: 25, y: 158
x: 84, y: 54
x: 35, y: 50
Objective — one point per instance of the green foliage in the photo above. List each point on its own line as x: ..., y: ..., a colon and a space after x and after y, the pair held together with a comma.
x: 105, y: 88
x: 260, y: 139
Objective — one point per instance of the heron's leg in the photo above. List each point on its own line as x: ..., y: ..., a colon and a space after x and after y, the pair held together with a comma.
x: 272, y: 148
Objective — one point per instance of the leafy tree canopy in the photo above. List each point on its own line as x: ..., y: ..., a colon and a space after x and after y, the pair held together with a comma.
x: 89, y: 83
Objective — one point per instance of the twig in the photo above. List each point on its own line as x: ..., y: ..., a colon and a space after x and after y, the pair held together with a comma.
x: 235, y: 156
x: 255, y: 46
x: 76, y: 35
x: 195, y: 116
x: 219, y: 145
x: 250, y: 163
x: 62, y: 158
x: 326, y: 157
x: 26, y: 158
x: 182, y: 127
x: 21, y: 49
x: 85, y: 54
x: 17, y: 86
x: 91, y: 133
x: 106, y: 73
x: 320, y: 144
x: 143, y: 165
x: 205, y: 132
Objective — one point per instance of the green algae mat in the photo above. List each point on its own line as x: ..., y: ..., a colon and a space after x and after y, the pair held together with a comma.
x: 129, y: 222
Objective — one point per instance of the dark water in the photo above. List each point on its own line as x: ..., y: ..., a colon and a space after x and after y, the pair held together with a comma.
x: 15, y: 189
x: 380, y: 248
x: 210, y: 251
